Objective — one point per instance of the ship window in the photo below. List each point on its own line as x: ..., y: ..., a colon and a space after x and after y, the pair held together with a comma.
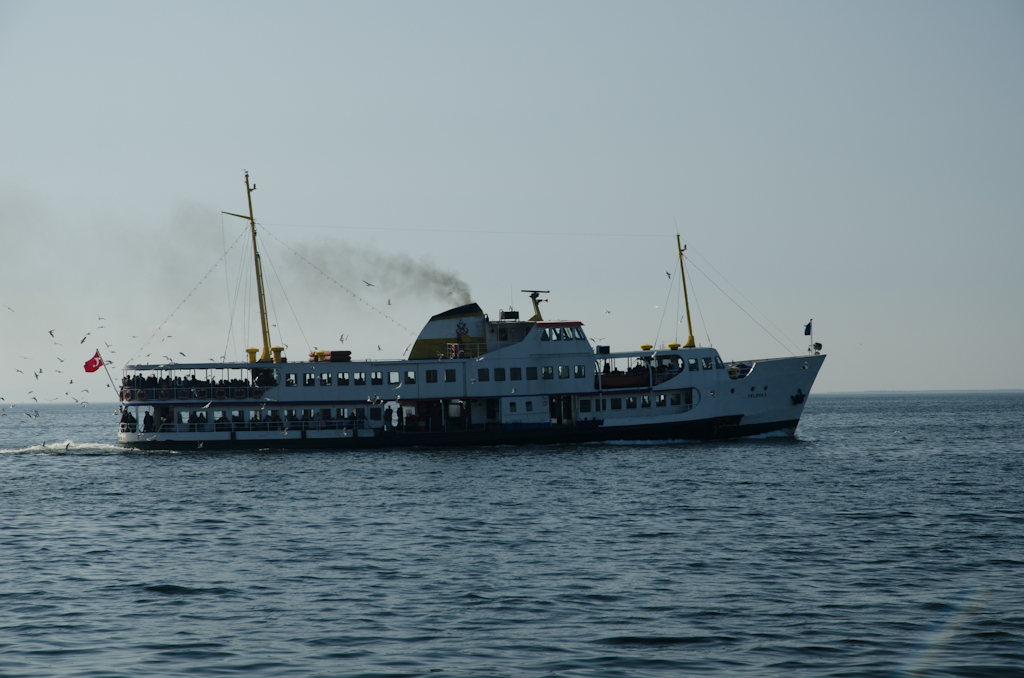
x: 630, y: 402
x: 342, y: 378
x: 645, y: 401
x: 376, y: 378
x: 410, y: 377
x: 602, y: 404
x: 529, y: 406
x: 563, y: 371
x: 360, y: 413
x: 512, y: 406
x: 359, y: 379
x: 688, y: 396
x: 718, y: 363
x: 449, y: 375
x: 707, y: 363
x: 342, y: 413
x: 516, y: 373
x: 531, y: 374
x: 660, y: 402
x: 502, y: 334
x: 546, y: 372
x: 483, y: 374
x: 584, y: 406
x: 325, y: 378
x: 376, y: 414
x: 616, y: 403
x: 499, y: 374
x: 694, y: 366
x: 309, y: 379
x: 545, y: 334
x: 576, y: 333
x: 290, y: 379
x: 580, y: 371
x: 394, y: 378
x: 431, y: 376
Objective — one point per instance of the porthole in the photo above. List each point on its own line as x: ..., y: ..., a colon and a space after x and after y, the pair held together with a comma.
x: 732, y: 390
x: 752, y: 389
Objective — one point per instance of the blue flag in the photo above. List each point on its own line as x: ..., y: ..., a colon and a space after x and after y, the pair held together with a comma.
x: 807, y: 329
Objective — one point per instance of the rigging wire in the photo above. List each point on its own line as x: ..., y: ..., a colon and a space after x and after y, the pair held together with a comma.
x: 287, y: 300
x: 227, y: 287
x: 752, y: 305
x: 180, y: 304
x: 338, y: 284
x: 234, y: 302
x: 664, y: 310
x: 741, y: 308
x: 699, y: 312
x: 470, y: 231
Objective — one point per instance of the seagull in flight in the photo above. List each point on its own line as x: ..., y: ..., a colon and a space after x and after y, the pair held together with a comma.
x: 668, y: 275
x: 51, y: 333
x: 84, y: 338
x: 368, y: 284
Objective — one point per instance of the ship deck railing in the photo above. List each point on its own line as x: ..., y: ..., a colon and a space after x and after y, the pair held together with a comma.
x: 142, y: 396
x: 228, y: 426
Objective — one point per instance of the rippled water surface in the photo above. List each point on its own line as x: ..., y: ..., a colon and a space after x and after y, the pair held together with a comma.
x: 886, y: 539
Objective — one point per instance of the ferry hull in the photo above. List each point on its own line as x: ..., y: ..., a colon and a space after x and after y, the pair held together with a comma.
x: 717, y: 428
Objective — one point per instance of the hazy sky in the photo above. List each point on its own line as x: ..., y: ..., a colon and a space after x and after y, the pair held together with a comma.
x: 859, y: 163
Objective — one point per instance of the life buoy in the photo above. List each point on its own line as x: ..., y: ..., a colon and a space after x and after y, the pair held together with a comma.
x: 184, y: 394
x: 141, y: 394
x: 238, y: 393
x: 220, y: 394
x: 202, y: 393
x: 163, y: 394
x: 126, y: 394
x: 257, y: 393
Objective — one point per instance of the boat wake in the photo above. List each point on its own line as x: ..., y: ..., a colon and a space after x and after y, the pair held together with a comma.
x: 65, y: 447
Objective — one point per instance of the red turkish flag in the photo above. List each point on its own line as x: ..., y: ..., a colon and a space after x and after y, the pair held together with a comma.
x: 94, y: 363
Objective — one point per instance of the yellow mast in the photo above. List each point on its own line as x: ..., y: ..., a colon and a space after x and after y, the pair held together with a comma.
x: 689, y: 342
x: 264, y: 323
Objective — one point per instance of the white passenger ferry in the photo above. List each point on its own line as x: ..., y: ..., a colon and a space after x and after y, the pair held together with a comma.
x: 469, y: 380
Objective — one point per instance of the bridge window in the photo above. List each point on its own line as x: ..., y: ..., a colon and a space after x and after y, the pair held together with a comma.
x: 431, y: 376
x: 516, y: 373
x: 376, y: 378
x: 483, y: 374
x: 325, y: 378
x: 563, y: 371
x: 394, y: 378
x: 546, y: 372
x: 545, y: 334
x: 531, y: 374
x: 707, y: 363
x: 308, y: 379
x: 630, y: 402
x: 502, y: 334
x: 410, y: 377
x: 342, y: 378
x: 359, y: 379
x: 449, y: 376
x: 499, y: 374
x: 718, y: 363
x: 694, y: 365
x: 580, y: 371
x: 291, y: 379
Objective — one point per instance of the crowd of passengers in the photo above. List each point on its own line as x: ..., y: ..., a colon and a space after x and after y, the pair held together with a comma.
x: 152, y: 381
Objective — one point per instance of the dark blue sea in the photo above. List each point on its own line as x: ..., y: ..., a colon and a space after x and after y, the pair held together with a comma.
x: 885, y: 539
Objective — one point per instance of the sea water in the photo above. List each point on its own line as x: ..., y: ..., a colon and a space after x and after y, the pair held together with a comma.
x: 885, y: 539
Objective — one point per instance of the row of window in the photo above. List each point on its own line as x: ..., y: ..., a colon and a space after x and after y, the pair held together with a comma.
x: 562, y: 334
x: 707, y: 363
x: 660, y: 400
x: 394, y: 378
